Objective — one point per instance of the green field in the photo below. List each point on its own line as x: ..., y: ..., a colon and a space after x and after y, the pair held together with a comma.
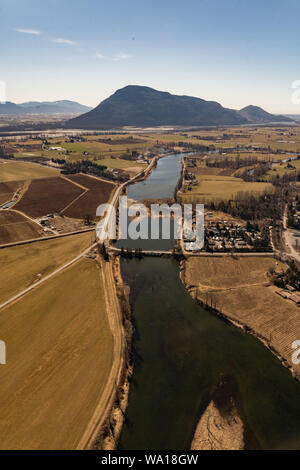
x: 14, y: 171
x: 283, y: 169
x: 93, y: 147
x: 59, y: 356
x: 120, y: 163
x: 214, y: 187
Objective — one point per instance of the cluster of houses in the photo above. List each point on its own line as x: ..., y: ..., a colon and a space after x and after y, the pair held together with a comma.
x: 189, y: 180
x: 47, y: 222
x: 290, y: 293
x: 228, y: 236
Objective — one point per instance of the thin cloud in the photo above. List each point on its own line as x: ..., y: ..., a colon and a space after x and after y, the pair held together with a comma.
x: 122, y: 57
x: 99, y: 56
x: 65, y: 41
x: 28, y: 31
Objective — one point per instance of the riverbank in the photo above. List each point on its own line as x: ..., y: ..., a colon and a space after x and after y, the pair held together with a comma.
x: 111, y: 430
x: 106, y: 423
x: 238, y: 290
x: 218, y: 432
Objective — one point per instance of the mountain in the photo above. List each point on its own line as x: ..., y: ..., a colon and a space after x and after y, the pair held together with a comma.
x: 294, y: 117
x: 43, y: 107
x: 10, y: 108
x: 141, y: 106
x: 256, y: 115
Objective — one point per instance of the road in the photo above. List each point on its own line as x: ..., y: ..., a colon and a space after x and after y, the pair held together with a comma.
x: 288, y: 237
x: 107, y: 398
x: 105, y: 223
x: 195, y: 254
x: 50, y: 237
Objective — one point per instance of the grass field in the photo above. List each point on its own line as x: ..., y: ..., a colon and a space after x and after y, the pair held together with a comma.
x: 49, y: 195
x: 275, y: 138
x: 119, y: 163
x: 217, y: 187
x: 283, y: 169
x: 263, y: 157
x: 15, y: 227
x: 211, y: 272
x: 21, y: 266
x: 240, y: 289
x: 59, y: 355
x: 93, y: 146
x: 14, y: 171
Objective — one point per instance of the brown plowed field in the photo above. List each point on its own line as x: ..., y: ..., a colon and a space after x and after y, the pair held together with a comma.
x: 14, y: 228
x: 7, y: 190
x: 46, y: 196
x: 99, y: 192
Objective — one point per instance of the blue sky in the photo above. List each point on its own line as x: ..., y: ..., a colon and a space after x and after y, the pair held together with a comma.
x: 237, y: 52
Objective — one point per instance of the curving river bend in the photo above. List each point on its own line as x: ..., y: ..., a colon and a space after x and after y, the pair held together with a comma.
x: 182, y: 352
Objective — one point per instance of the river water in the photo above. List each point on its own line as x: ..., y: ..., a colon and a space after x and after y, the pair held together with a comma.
x: 182, y: 353
x: 160, y: 184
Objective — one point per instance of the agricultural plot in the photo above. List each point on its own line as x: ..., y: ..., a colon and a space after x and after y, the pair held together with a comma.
x: 273, y: 138
x: 49, y: 195
x: 23, y: 265
x: 14, y: 171
x: 211, y: 272
x: 92, y: 147
x: 59, y: 356
x: 283, y: 169
x: 121, y: 164
x: 98, y: 192
x: 14, y: 227
x: 8, y: 189
x: 213, y: 185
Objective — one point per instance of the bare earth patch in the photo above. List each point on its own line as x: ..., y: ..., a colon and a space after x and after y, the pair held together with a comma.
x: 15, y: 227
x: 217, y: 432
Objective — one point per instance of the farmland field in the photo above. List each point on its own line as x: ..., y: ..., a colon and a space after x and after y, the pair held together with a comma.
x: 8, y: 189
x: 120, y: 163
x: 217, y: 187
x: 59, y: 355
x: 21, y: 266
x: 99, y: 192
x: 211, y: 271
x: 15, y: 227
x: 47, y: 196
x: 92, y: 147
x: 275, y: 138
x: 282, y: 169
x: 13, y: 171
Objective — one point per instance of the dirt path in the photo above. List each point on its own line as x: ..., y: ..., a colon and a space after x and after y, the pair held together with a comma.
x: 289, y: 238
x: 107, y: 398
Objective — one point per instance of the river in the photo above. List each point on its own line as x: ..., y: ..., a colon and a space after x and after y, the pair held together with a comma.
x: 182, y: 353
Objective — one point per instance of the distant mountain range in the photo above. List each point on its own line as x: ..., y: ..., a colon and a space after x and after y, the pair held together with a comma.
x: 257, y: 115
x: 141, y: 106
x: 43, y: 107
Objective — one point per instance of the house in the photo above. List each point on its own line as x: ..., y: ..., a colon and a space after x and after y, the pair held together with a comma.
x: 290, y: 288
x: 282, y: 293
x: 295, y: 298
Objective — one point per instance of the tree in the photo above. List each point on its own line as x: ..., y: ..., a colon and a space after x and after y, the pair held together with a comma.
x: 103, y: 252
x: 88, y: 219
